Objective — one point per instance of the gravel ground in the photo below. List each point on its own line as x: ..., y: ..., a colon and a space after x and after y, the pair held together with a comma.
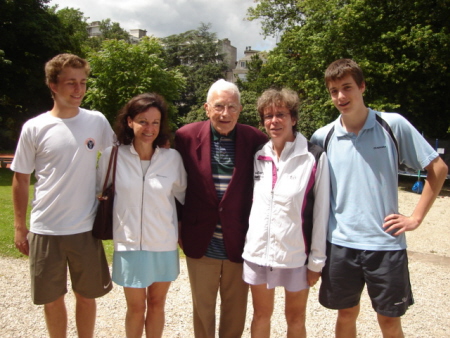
x: 429, y: 248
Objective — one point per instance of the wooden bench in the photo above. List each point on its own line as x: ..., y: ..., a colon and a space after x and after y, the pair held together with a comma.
x: 4, y: 161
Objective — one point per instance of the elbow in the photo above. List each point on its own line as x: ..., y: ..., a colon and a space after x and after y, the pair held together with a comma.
x: 437, y: 171
x: 442, y: 169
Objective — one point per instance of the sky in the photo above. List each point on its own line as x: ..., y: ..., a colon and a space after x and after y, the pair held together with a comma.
x: 162, y: 18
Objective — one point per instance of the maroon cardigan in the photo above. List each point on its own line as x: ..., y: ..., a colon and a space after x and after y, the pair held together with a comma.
x: 202, y: 209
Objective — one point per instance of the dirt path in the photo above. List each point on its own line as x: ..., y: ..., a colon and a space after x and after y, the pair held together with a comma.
x: 429, y: 248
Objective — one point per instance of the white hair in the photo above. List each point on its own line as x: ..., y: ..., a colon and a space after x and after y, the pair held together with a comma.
x: 222, y: 85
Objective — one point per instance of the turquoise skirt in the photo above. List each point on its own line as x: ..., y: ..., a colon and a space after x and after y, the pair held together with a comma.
x: 140, y: 269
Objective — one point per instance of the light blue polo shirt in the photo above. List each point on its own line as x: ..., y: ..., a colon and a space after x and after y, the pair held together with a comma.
x: 364, y: 178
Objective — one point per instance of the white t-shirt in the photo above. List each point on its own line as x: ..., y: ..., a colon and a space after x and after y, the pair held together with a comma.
x: 63, y: 154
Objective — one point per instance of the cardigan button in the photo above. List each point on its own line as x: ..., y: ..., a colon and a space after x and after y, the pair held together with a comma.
x: 220, y: 209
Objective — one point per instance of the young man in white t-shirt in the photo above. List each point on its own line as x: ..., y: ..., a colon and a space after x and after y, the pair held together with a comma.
x: 61, y: 147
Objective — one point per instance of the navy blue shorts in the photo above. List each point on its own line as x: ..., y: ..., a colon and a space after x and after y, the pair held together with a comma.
x: 384, y: 272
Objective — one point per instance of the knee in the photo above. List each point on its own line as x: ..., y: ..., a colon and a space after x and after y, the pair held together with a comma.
x: 348, y: 315
x: 262, y: 313
x: 390, y: 326
x: 83, y: 301
x: 156, y: 303
x: 136, y: 307
x: 295, y: 318
x: 55, y: 305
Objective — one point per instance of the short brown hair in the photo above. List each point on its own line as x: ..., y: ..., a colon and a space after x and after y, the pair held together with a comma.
x: 55, y: 66
x: 279, y: 98
x: 341, y: 68
x: 137, y: 105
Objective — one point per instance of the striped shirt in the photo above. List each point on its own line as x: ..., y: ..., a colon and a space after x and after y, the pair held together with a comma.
x: 222, y: 165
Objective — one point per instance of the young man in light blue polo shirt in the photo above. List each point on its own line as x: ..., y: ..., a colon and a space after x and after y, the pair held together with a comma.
x: 366, y: 236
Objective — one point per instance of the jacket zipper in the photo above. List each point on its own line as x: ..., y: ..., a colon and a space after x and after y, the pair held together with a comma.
x: 268, y: 231
x: 142, y: 204
x: 142, y: 212
x: 274, y: 182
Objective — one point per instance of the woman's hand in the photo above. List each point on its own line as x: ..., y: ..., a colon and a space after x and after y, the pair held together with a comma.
x: 313, y: 277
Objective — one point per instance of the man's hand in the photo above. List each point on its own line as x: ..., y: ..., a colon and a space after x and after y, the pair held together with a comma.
x: 20, y: 187
x: 312, y: 277
x: 21, y: 241
x: 397, y: 224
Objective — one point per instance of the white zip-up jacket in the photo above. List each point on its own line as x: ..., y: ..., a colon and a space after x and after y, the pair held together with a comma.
x: 289, y: 216
x: 145, y: 216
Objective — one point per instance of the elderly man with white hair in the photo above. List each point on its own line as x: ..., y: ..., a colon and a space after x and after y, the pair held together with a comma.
x: 218, y: 157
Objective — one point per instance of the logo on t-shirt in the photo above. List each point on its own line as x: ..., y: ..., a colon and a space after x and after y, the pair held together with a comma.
x: 258, y: 175
x: 90, y: 143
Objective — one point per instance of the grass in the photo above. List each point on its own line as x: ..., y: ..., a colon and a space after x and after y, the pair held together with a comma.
x: 8, y: 249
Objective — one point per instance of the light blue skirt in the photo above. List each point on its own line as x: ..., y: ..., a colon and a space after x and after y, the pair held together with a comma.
x: 140, y: 269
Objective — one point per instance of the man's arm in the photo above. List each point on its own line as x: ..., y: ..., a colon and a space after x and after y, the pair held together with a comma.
x: 20, y: 188
x: 436, y: 173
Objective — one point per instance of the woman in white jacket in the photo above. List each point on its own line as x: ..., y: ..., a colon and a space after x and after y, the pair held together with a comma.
x: 286, y: 240
x: 148, y: 179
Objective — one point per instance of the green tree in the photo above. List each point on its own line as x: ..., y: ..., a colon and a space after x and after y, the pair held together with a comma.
x: 121, y: 71
x: 249, y: 114
x: 76, y: 26
x: 254, y: 81
x: 2, y: 58
x: 30, y: 36
x: 250, y: 89
x: 403, y: 47
x: 109, y: 31
x: 275, y: 15
x: 196, y: 55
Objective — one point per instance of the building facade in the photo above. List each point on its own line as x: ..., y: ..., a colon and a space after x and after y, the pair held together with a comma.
x: 241, y: 69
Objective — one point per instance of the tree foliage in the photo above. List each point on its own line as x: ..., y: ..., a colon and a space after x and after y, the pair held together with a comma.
x: 121, y: 71
x: 196, y: 55
x: 249, y: 114
x: 30, y: 36
x: 402, y: 46
x: 109, y: 31
x: 250, y: 90
x: 76, y: 25
x: 275, y: 15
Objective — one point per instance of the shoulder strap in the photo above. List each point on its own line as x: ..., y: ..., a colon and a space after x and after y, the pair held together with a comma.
x: 327, y: 139
x: 112, y: 160
x: 387, y: 127
x: 382, y: 122
x: 116, y: 148
x: 315, y: 150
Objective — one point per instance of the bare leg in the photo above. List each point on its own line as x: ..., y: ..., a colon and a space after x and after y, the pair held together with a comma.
x: 391, y: 327
x: 56, y: 318
x: 85, y: 312
x: 295, y: 312
x: 135, y: 317
x: 346, y: 322
x: 156, y: 301
x: 263, y: 300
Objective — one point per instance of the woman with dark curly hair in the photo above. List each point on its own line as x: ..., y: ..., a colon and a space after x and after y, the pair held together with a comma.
x: 149, y: 177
